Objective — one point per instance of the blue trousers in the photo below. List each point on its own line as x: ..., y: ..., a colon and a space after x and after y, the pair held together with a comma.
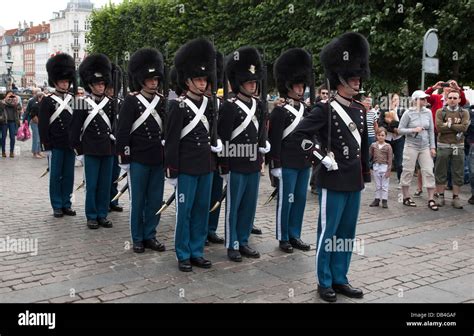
x: 193, y: 196
x: 115, y: 176
x: 337, y: 221
x: 9, y: 126
x: 98, y: 173
x: 240, y: 206
x: 397, y: 148
x: 292, y: 192
x: 61, y: 177
x: 146, y: 185
x: 216, y: 194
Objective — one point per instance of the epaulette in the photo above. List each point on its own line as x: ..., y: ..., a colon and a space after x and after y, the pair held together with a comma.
x: 134, y: 93
x: 358, y: 102
x: 231, y: 100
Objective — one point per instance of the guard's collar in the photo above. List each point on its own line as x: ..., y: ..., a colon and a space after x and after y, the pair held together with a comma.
x: 193, y: 96
x: 343, y: 100
x: 146, y: 94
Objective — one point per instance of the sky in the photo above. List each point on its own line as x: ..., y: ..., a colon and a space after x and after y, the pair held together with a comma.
x: 35, y: 10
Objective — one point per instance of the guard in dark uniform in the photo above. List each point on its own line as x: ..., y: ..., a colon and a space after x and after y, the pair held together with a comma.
x: 217, y: 181
x: 188, y: 152
x: 140, y: 148
x: 240, y: 127
x: 288, y: 164
x: 117, y: 103
x: 54, y: 118
x: 91, y: 135
x: 339, y: 125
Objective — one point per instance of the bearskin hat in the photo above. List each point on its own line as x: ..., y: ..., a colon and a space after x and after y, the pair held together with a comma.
x: 194, y: 59
x: 292, y: 67
x: 95, y: 68
x: 346, y: 56
x: 145, y: 63
x: 243, y: 65
x: 60, y: 66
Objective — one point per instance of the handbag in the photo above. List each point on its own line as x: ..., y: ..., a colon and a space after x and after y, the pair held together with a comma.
x: 23, y: 133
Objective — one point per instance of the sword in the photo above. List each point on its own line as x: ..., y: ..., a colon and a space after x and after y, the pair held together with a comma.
x: 272, y: 196
x: 167, y: 204
x: 46, y: 171
x: 221, y: 199
x: 124, y: 175
x: 120, y: 193
x: 83, y: 183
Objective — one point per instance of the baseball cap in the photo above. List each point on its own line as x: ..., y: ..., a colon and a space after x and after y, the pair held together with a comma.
x: 419, y: 94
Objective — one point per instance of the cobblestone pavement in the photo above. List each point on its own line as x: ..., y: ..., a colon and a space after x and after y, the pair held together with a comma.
x: 406, y: 254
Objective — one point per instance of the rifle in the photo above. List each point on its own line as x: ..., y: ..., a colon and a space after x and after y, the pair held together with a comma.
x: 311, y: 85
x: 214, y: 103
x: 120, y: 193
x: 262, y: 141
x: 166, y: 204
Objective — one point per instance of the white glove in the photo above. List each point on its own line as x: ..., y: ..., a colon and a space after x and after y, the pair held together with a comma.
x: 163, y: 142
x: 218, y: 147
x: 48, y: 153
x: 225, y: 177
x: 276, y: 172
x: 80, y: 158
x: 329, y: 163
x: 172, y: 182
x: 125, y: 166
x: 266, y: 149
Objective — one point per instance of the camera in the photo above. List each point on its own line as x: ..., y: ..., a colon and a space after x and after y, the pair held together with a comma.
x: 444, y: 84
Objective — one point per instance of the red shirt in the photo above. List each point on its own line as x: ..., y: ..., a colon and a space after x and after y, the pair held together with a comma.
x: 437, y: 101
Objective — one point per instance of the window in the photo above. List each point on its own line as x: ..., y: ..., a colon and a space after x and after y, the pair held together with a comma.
x: 76, y: 25
x: 76, y: 55
x: 76, y: 40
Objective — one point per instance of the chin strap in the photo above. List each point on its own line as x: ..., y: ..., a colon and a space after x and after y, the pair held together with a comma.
x: 344, y: 83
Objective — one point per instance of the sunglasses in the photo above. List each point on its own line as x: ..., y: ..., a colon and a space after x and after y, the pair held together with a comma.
x: 324, y: 93
x: 452, y: 97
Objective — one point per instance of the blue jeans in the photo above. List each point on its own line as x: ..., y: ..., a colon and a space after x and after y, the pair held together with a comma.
x: 397, y: 148
x: 11, y: 127
x: 35, y: 146
x: 471, y: 167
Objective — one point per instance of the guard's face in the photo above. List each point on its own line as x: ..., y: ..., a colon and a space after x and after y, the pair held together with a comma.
x: 354, y: 83
x: 199, y: 83
x: 298, y: 89
x: 151, y: 84
x: 98, y: 88
x: 62, y: 84
x: 250, y: 87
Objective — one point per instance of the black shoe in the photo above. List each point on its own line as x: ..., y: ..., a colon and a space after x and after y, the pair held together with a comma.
x: 116, y: 208
x: 471, y: 200
x: 138, y: 247
x: 285, y: 246
x: 201, y: 262
x: 92, y: 224
x: 154, y: 244
x: 185, y: 266
x: 58, y: 213
x: 104, y: 222
x: 214, y: 238
x: 234, y: 255
x: 69, y: 212
x: 248, y: 252
x: 375, y: 203
x: 384, y: 204
x: 299, y: 244
x: 327, y: 294
x: 348, y: 291
x: 256, y: 230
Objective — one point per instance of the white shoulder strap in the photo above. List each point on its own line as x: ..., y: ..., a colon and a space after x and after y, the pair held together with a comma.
x: 298, y: 115
x: 63, y: 105
x: 347, y: 120
x: 199, y: 113
x: 149, y: 110
x: 250, y: 113
x: 96, y: 109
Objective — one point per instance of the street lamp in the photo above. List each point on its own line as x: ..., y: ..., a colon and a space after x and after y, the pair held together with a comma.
x: 9, y: 65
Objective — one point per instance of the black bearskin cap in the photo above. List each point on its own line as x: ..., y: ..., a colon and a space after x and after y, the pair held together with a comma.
x: 292, y: 67
x: 95, y: 68
x: 145, y: 63
x: 60, y: 66
x: 243, y: 65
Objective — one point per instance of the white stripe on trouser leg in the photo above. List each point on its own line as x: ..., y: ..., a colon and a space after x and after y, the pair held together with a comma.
x: 227, y: 215
x: 129, y: 180
x: 176, y: 203
x: 323, y: 226
x: 280, y: 205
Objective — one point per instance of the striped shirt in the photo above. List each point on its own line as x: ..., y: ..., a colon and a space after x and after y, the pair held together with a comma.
x: 371, y: 116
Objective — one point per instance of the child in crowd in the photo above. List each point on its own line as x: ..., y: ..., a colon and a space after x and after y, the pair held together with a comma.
x: 381, y: 155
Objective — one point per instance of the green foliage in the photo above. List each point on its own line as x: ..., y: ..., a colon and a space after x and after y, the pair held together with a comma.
x: 394, y: 28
